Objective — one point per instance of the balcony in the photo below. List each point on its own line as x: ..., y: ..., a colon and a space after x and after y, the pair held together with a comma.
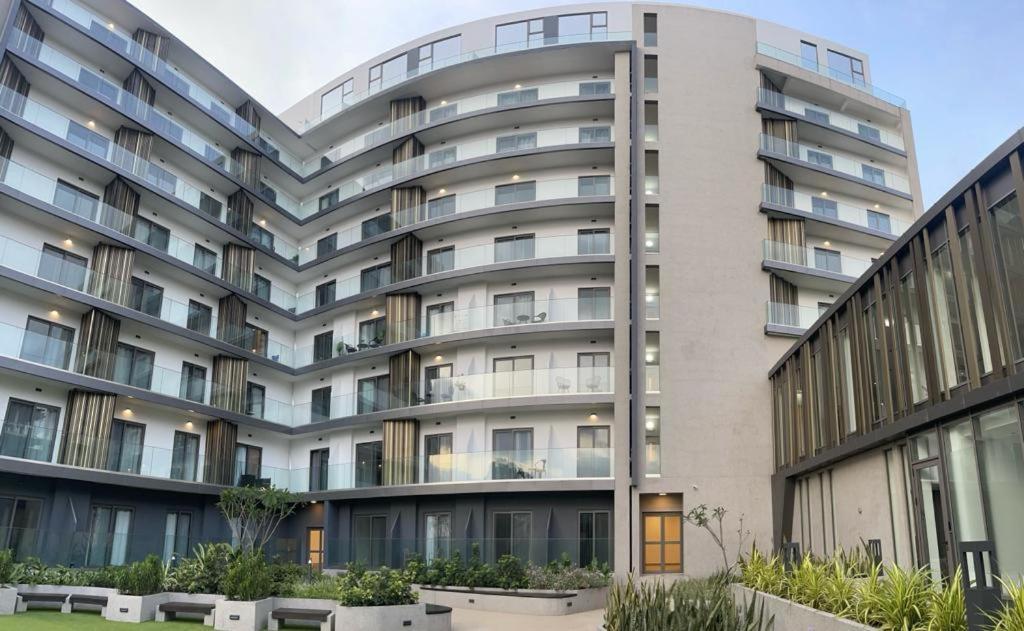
x: 822, y: 159
x: 811, y: 267
x: 794, y: 59
x: 787, y: 319
x: 816, y: 207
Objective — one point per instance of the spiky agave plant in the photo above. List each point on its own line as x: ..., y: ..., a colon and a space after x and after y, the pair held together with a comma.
x: 839, y: 590
x: 764, y: 573
x: 807, y: 583
x: 947, y: 610
x: 901, y: 600
x: 1011, y: 616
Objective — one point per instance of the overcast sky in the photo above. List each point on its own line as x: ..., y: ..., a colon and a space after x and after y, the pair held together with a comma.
x: 956, y: 62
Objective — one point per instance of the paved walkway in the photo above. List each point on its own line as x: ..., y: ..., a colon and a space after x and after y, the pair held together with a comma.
x: 470, y: 620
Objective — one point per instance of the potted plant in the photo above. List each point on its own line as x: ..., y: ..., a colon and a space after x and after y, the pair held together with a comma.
x: 8, y: 592
x: 248, y: 589
x: 140, y: 589
x: 383, y: 599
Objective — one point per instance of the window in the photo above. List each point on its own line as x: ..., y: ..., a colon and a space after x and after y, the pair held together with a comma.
x: 513, y: 248
x: 337, y: 98
x: 879, y: 221
x: 325, y: 293
x: 185, y: 456
x: 376, y: 225
x: 519, y: 35
x: 846, y: 68
x: 205, y: 260
x: 255, y: 398
x: 83, y: 137
x: 595, y: 88
x: 438, y: 383
x: 62, y: 267
x: 372, y: 332
x: 809, y: 56
x: 946, y: 322
x: 193, y: 382
x: 260, y: 287
x: 315, y: 548
x: 825, y: 207
x: 595, y: 539
x: 176, y: 528
x: 652, y: 442
x: 327, y: 245
x: 47, y: 343
x: 1008, y: 242
x: 248, y: 463
x: 146, y: 297
x: 594, y: 303
x: 255, y: 339
x: 441, y: 319
x: 152, y: 233
x: 322, y: 346
x: 592, y: 372
x: 912, y: 338
x: 389, y: 72
x: 828, y: 260
x: 438, y: 541
x: 75, y: 200
x: 650, y: 39
x: 133, y: 366
x: 28, y: 432
x: 594, y: 185
x: 516, y: 142
x: 816, y: 116
x: 375, y: 277
x: 595, y: 134
x: 873, y: 174
x: 369, y: 464
x: 514, y: 308
x: 369, y: 538
x: 209, y: 205
x: 869, y: 132
x: 513, y: 376
x: 319, y: 462
x: 200, y: 317
x: 823, y: 307
x: 517, y: 97
x: 662, y: 543
x: 515, y: 193
x: 440, y: 53
x: 593, y: 458
x: 320, y: 405
x: 650, y: 74
x: 441, y: 260
x: 582, y: 27
x: 262, y: 236
x: 328, y: 200
x: 442, y: 157
x: 438, y: 449
x: 512, y: 532
x: 819, y: 158
x: 593, y: 241
x: 124, y: 451
x: 19, y: 524
x: 109, y: 527
x: 373, y: 394
x: 441, y: 207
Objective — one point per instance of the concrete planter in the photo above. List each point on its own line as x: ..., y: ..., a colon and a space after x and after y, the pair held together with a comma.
x: 390, y: 617
x: 242, y: 615
x: 305, y: 603
x: 64, y: 589
x: 535, y: 602
x: 8, y: 600
x: 790, y: 615
x: 125, y: 608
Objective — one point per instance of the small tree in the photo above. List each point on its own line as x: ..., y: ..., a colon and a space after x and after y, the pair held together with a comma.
x: 712, y: 522
x: 255, y: 512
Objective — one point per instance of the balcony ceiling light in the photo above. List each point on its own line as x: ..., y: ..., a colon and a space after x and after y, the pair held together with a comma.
x: 68, y: 242
x: 649, y: 425
x: 91, y: 124
x: 263, y: 222
x: 515, y: 177
x: 374, y: 313
x: 649, y: 243
x: 877, y: 206
x: 54, y: 314
x: 444, y: 102
x: 593, y: 417
x: 824, y: 193
x: 518, y: 86
x: 649, y: 357
x: 127, y: 411
x: 828, y: 244
x: 442, y: 191
x: 438, y: 358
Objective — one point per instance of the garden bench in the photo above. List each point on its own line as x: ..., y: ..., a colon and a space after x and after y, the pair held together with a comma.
x: 24, y: 598
x: 168, y: 611
x: 84, y: 599
x: 433, y: 610
x: 324, y: 616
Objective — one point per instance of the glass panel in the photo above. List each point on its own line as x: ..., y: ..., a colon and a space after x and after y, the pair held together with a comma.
x: 1002, y: 470
x: 932, y: 522
x: 964, y: 486
x: 1009, y: 241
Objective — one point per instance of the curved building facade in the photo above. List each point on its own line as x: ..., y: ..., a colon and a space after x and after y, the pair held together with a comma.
x: 438, y: 297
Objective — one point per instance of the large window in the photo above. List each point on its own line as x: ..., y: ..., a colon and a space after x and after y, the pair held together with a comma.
x: 595, y: 537
x: 828, y: 260
x: 204, y: 259
x: 75, y: 200
x: 176, y: 529
x: 62, y: 267
x: 513, y: 376
x: 438, y: 383
x: 514, y: 308
x: 320, y: 405
x: 438, y: 540
x: 29, y: 431
x: 146, y: 297
x: 913, y: 339
x: 592, y: 372
x: 152, y: 233
x: 825, y: 207
x: 19, y: 524
x: 439, y: 54
x: 515, y: 193
x: 389, y: 72
x: 369, y: 539
x: 376, y: 225
x: 193, y: 382
x: 262, y: 236
x: 512, y: 533
x: 513, y: 455
x: 977, y: 315
x: 261, y: 287
x: 594, y: 303
x: 124, y: 452
x: 846, y: 68
x: 517, y: 97
x: 319, y: 466
x: 601, y: 133
x: 440, y: 319
x: 1008, y: 233
x: 438, y: 451
x: 327, y: 245
x: 441, y: 260
x: 337, y: 98
x: 87, y: 139
x: 519, y: 35
x: 879, y: 221
x: 200, y: 317
x: 652, y: 442
x: 589, y: 185
x: 372, y: 333
x: 809, y: 56
x: 369, y: 464
x: 185, y: 456
x: 109, y: 528
x: 255, y: 399
x: 516, y: 142
x: 134, y: 366
x: 949, y: 339
x: 325, y: 293
x: 372, y: 394
x: 593, y: 457
x: 441, y: 206
x: 593, y: 241
x: 47, y: 343
x: 323, y: 345
x: 375, y: 277
x: 514, y: 248
x: 248, y: 463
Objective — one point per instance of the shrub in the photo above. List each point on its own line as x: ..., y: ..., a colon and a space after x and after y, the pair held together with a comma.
x: 1011, y: 616
x: 284, y: 574
x: 687, y: 605
x: 142, y: 577
x: 203, y: 571
x: 901, y: 600
x: 107, y: 576
x: 359, y: 588
x: 566, y: 577
x: 327, y: 587
x: 509, y: 573
x: 764, y: 574
x: 247, y: 578
x: 947, y: 610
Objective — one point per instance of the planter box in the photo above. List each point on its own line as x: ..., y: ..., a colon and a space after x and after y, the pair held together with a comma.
x: 535, y: 602
x: 305, y: 603
x: 391, y: 617
x: 790, y: 615
x: 242, y: 615
x: 8, y: 600
x: 125, y: 608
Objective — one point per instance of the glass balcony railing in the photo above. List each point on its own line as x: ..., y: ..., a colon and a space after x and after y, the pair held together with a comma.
x: 795, y: 316
x: 544, y: 190
x: 819, y: 157
x: 796, y: 60
x: 437, y: 64
x: 821, y: 259
x: 872, y: 219
x: 525, y: 94
x: 829, y: 117
x: 652, y: 378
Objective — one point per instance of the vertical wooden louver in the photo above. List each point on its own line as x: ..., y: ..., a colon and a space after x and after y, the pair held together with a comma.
x: 406, y: 205
x: 156, y: 44
x: 134, y: 141
x: 400, y: 440
x: 404, y: 378
x: 406, y: 258
x: 229, y: 376
x: 231, y: 312
x: 25, y: 23
x: 86, y: 432
x: 15, y: 87
x: 221, y: 439
x: 403, y: 317
x: 120, y: 206
x: 111, y: 273
x: 6, y: 149
x: 137, y: 86
x: 97, y: 345
x: 245, y: 165
x: 779, y: 188
x: 238, y: 266
x: 247, y: 112
x: 402, y: 157
x: 240, y: 209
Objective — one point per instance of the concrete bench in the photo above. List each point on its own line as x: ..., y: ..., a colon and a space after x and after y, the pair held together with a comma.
x: 24, y: 598
x: 168, y: 611
x: 324, y: 616
x: 434, y: 610
x: 94, y: 600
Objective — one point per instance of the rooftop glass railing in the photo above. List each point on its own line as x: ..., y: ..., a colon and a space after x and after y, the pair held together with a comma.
x: 870, y: 218
x: 825, y: 116
x: 821, y: 259
x: 796, y: 59
x: 827, y: 159
x: 437, y: 64
x: 795, y: 316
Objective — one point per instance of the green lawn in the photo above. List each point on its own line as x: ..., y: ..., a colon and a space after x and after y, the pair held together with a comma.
x: 41, y: 620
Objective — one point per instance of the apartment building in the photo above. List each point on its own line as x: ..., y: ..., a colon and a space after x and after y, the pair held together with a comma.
x: 439, y: 296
